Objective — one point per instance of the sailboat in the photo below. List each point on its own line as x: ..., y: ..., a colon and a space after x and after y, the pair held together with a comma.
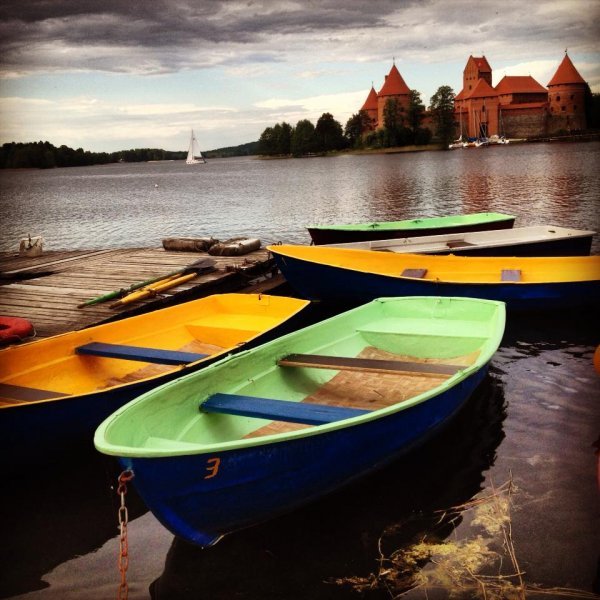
x: 194, y: 156
x: 459, y: 142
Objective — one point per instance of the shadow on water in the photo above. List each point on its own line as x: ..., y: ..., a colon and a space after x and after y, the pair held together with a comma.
x: 52, y: 516
x: 299, y: 555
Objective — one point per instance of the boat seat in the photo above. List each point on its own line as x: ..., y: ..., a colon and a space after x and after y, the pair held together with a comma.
x: 416, y: 273
x: 278, y: 410
x: 511, y: 275
x: 372, y: 365
x: 458, y: 244
x: 150, y: 355
x: 20, y: 393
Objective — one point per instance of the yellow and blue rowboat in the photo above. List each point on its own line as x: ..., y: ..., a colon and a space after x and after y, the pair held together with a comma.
x: 269, y: 429
x: 54, y: 392
x: 524, y: 283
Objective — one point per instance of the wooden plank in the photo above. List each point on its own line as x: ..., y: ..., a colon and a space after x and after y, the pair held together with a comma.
x: 278, y: 410
x: 368, y: 365
x: 50, y: 300
x: 151, y: 355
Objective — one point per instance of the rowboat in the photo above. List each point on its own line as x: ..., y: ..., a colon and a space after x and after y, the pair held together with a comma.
x: 356, y: 232
x: 55, y: 391
x: 269, y: 429
x: 535, y: 240
x: 523, y: 283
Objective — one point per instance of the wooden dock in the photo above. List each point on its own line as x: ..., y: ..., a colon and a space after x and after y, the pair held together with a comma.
x: 47, y: 290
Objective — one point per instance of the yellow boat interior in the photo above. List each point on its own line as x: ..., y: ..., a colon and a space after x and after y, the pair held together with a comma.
x: 113, y: 354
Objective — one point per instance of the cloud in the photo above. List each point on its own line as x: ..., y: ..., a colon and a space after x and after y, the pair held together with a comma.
x: 167, y: 36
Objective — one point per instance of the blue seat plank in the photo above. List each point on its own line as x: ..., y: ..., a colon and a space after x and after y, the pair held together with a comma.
x: 278, y: 410
x: 151, y: 355
x: 22, y: 393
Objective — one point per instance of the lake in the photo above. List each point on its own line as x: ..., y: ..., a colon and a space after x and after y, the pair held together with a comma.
x: 533, y: 424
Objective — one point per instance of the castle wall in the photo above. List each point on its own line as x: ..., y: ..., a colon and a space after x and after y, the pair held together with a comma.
x: 524, y: 123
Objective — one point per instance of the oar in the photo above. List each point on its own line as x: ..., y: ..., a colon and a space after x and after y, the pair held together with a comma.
x: 204, y: 266
x: 135, y: 286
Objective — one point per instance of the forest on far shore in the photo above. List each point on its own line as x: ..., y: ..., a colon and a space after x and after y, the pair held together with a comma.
x: 44, y: 155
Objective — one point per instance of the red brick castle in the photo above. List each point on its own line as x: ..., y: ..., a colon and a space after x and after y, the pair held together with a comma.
x: 517, y: 107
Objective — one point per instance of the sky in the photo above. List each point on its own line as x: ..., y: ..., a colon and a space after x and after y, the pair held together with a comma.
x: 110, y: 75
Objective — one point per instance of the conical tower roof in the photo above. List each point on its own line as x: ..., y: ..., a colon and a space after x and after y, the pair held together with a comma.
x: 566, y: 73
x: 371, y: 101
x: 394, y: 84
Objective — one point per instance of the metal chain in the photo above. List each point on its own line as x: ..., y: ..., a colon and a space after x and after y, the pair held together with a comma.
x: 123, y: 561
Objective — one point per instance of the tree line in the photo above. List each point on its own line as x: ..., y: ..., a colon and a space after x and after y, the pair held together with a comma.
x: 44, y: 155
x: 400, y: 128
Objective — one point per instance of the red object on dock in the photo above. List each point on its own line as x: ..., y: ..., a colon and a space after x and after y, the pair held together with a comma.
x: 15, y: 329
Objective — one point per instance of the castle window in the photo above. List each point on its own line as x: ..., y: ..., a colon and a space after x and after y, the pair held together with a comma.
x: 572, y: 96
x: 563, y: 108
x: 483, y: 109
x: 558, y: 98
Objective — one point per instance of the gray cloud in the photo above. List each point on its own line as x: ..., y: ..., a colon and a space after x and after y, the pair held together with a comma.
x: 35, y: 34
x: 164, y: 36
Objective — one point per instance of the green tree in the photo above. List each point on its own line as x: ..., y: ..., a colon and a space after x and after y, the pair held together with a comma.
x: 282, y: 135
x: 592, y: 109
x: 328, y: 134
x: 414, y: 116
x: 303, y: 138
x: 442, y: 109
x: 355, y: 126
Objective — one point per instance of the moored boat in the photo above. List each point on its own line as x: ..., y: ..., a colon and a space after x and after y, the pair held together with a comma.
x: 55, y: 391
x: 267, y: 430
x: 356, y: 232
x: 535, y: 240
x: 524, y: 283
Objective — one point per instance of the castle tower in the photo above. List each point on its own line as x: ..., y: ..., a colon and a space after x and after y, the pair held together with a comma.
x: 370, y: 107
x: 477, y: 68
x: 393, y: 87
x: 567, y: 92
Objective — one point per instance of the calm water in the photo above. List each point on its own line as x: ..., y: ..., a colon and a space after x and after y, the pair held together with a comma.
x: 535, y: 419
x: 119, y: 205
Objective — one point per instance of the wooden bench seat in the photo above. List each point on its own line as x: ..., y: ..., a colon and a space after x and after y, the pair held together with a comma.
x: 340, y: 363
x: 277, y: 410
x: 151, y: 355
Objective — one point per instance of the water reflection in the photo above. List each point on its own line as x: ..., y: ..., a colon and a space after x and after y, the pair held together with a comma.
x: 52, y: 516
x: 299, y: 555
x: 119, y: 205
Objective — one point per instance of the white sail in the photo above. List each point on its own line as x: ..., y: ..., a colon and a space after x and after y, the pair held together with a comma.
x: 194, y: 156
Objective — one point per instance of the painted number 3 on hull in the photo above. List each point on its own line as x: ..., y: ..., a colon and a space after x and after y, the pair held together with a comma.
x: 212, y: 467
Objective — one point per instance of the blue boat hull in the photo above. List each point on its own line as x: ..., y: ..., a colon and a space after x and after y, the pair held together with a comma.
x: 317, y: 281
x: 259, y: 482
x: 41, y: 433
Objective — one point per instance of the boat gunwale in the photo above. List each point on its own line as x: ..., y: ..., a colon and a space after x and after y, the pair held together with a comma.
x: 419, y: 223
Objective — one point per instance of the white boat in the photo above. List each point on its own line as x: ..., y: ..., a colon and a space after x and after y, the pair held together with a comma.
x: 194, y: 156
x: 535, y: 240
